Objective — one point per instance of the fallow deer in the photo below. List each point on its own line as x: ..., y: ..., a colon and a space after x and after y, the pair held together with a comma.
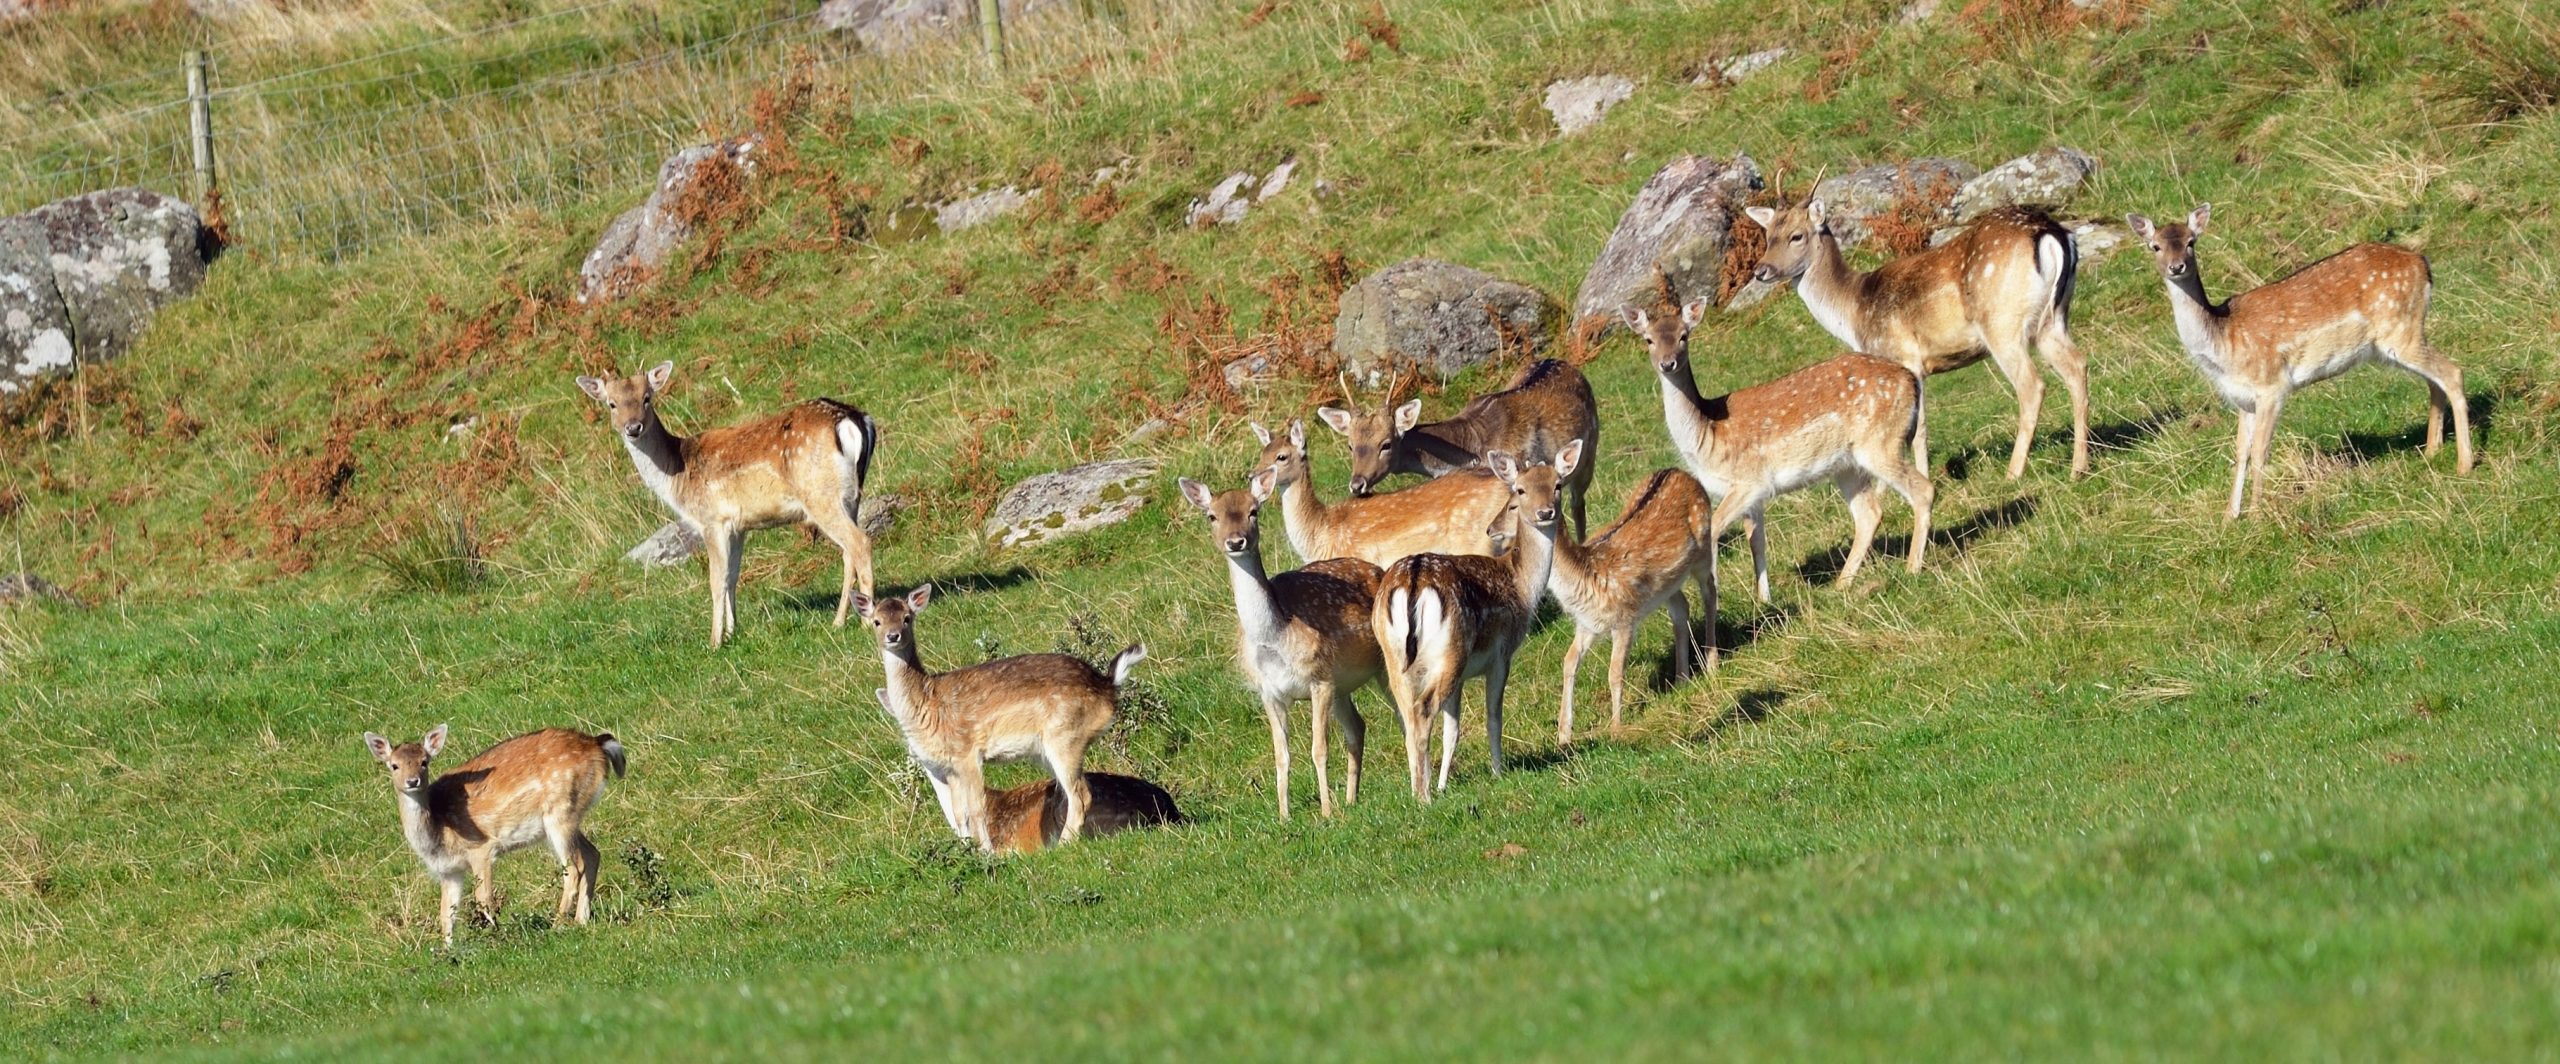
x: 2366, y: 303
x: 1303, y: 634
x: 1629, y: 572
x: 1848, y: 420
x: 1445, y: 516
x: 2001, y: 286
x: 1045, y: 706
x: 536, y: 787
x: 808, y: 463
x: 1443, y: 620
x: 1546, y: 404
x: 1031, y: 816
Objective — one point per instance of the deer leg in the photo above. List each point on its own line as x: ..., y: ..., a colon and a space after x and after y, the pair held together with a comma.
x: 1618, y: 642
x: 736, y: 559
x: 2063, y: 354
x: 1582, y: 638
x: 1066, y: 762
x: 593, y: 865
x: 1760, y: 552
x: 1495, y: 679
x: 1355, y: 736
x: 1275, y: 712
x: 1410, y: 714
x: 1319, y: 707
x: 1866, y: 511
x: 2266, y: 426
x: 2240, y: 460
x: 452, y: 900
x: 2029, y: 384
x: 2445, y: 400
x: 715, y: 553
x: 1704, y: 627
x: 1450, y: 705
x: 484, y: 892
x: 969, y: 801
x: 1919, y: 427
x: 564, y: 845
x: 1684, y: 635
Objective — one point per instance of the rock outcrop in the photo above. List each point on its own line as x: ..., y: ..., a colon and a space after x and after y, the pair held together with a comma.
x: 1437, y: 316
x: 2047, y: 178
x: 635, y: 247
x: 1579, y: 103
x: 1856, y: 197
x: 81, y: 277
x: 674, y: 544
x: 1679, y: 227
x: 892, y: 26
x: 1069, y: 501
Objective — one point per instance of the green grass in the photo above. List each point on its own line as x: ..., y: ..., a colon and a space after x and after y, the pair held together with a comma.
x: 2110, y: 778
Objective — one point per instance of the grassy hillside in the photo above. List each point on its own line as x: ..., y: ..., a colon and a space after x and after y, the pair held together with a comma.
x: 2110, y: 778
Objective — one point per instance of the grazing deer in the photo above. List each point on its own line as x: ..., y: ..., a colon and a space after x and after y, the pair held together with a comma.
x: 2366, y: 303
x: 1444, y: 516
x: 1303, y: 634
x: 1632, y: 570
x: 1031, y: 816
x: 536, y: 787
x: 1443, y: 620
x: 1848, y: 420
x: 1048, y: 706
x: 2002, y: 285
x: 1548, y: 403
x: 808, y: 463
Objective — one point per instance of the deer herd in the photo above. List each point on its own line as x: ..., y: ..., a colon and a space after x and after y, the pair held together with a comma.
x: 1423, y: 589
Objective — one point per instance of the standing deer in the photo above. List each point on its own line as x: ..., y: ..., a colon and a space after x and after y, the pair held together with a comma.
x: 2366, y: 303
x: 1548, y: 403
x: 1048, y: 706
x: 1303, y: 634
x: 1848, y: 420
x: 1444, y: 516
x: 536, y: 787
x: 1030, y: 817
x: 1629, y: 572
x: 1443, y: 620
x: 2002, y: 285
x: 808, y: 463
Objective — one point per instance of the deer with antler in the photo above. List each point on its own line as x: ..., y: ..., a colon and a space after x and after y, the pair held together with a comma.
x: 1546, y: 404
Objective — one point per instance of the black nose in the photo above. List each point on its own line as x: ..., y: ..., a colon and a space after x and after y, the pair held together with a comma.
x: 1547, y: 516
x: 1360, y: 486
x: 1235, y: 545
x: 1765, y: 274
x: 632, y: 431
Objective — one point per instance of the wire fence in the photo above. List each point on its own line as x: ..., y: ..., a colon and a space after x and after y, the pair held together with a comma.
x: 328, y: 160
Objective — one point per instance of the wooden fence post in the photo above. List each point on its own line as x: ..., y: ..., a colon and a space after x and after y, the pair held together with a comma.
x: 991, y: 29
x: 200, y: 120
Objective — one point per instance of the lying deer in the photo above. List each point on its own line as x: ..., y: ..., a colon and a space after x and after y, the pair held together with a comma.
x: 1547, y: 404
x: 2001, y: 286
x: 1048, y: 706
x: 1848, y: 420
x: 1445, y: 516
x: 1443, y: 620
x: 2365, y: 304
x: 1030, y: 817
x: 807, y: 463
x: 1629, y: 572
x: 1303, y: 634
x: 536, y: 787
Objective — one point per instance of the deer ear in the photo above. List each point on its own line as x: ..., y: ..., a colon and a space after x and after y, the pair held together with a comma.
x: 1504, y: 464
x: 659, y: 375
x: 1636, y: 319
x: 1408, y: 415
x: 593, y: 387
x: 1335, y: 418
x: 1298, y: 433
x: 2197, y: 217
x: 1195, y: 491
x: 881, y: 693
x: 2140, y: 225
x: 1569, y: 459
x: 380, y: 746
x: 1260, y: 433
x: 917, y: 598
x: 1693, y: 313
x: 1763, y: 217
x: 1260, y: 483
x: 434, y: 742
x: 862, y: 604
x: 1816, y: 213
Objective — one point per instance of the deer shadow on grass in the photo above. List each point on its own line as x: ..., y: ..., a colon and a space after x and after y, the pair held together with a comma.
x: 2108, y: 436
x: 823, y: 599
x: 2368, y: 446
x: 1751, y: 707
x: 1945, y: 540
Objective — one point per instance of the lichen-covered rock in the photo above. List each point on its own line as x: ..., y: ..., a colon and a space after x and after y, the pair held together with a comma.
x: 1437, y: 316
x: 2047, y: 178
x: 1740, y: 67
x: 1679, y: 227
x: 17, y: 589
x: 891, y: 26
x: 81, y: 277
x: 1069, y: 501
x: 1227, y: 203
x: 982, y: 208
x: 674, y: 544
x: 1860, y: 195
x: 636, y: 245
x: 1579, y: 103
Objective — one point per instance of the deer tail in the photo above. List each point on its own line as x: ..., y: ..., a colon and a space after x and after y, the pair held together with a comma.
x: 614, y: 756
x: 1127, y: 660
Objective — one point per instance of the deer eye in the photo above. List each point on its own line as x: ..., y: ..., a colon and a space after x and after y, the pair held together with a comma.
x: 1796, y: 239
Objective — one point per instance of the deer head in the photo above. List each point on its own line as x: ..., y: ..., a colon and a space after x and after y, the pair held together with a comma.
x: 1791, y: 241
x: 407, y: 761
x: 630, y: 401
x: 1373, y: 439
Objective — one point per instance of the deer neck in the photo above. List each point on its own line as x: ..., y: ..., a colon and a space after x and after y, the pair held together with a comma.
x: 659, y: 455
x: 418, y: 824
x: 1830, y: 288
x: 1533, y: 558
x: 1693, y: 435
x: 1257, y: 616
x: 1302, y: 512
x: 906, y: 678
x: 2202, y: 326
x: 1569, y: 574
x: 1433, y: 450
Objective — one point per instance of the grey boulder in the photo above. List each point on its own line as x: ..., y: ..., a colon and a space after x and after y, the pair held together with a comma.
x: 1859, y: 196
x: 1436, y: 316
x: 81, y: 277
x: 1578, y: 104
x: 635, y: 247
x: 2047, y: 178
x: 891, y: 26
x: 1679, y: 227
x: 1069, y: 501
x: 674, y: 544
